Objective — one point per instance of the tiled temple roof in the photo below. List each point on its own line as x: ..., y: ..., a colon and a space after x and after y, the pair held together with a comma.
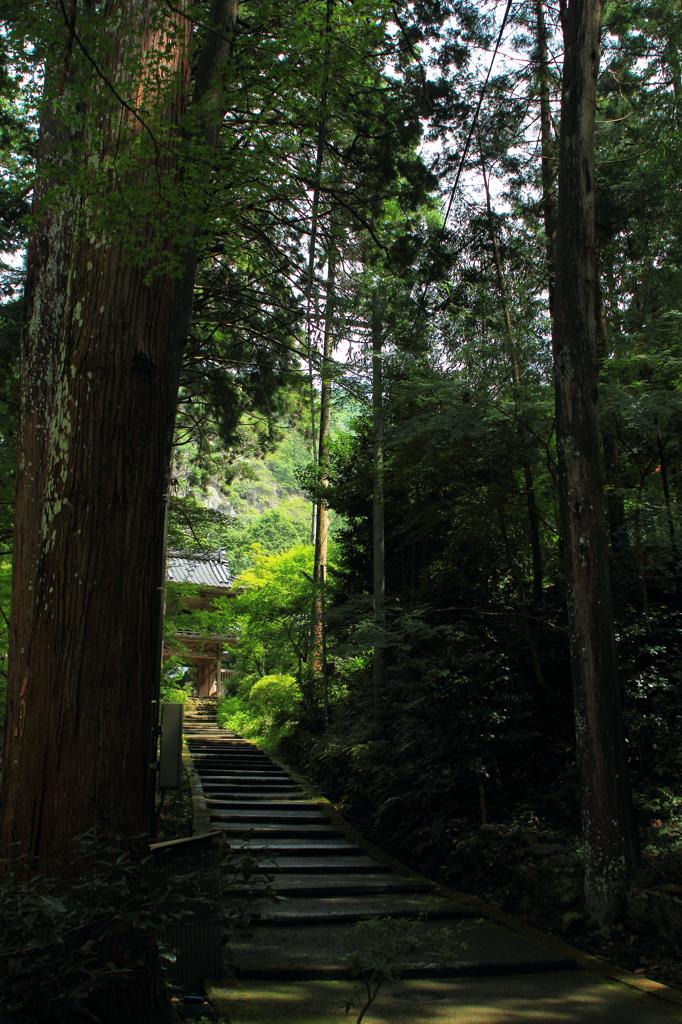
x: 204, y: 570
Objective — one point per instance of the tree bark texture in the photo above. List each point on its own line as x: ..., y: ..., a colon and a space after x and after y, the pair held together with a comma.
x: 101, y: 356
x: 610, y: 848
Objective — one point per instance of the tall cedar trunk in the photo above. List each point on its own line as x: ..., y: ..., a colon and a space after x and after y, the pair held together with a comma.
x: 101, y: 356
x: 610, y: 846
x: 319, y: 638
x: 378, y: 531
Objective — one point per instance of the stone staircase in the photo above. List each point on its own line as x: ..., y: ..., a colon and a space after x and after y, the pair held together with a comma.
x: 459, y: 960
x: 325, y: 880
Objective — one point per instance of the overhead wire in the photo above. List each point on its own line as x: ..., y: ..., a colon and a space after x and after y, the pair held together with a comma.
x: 465, y: 151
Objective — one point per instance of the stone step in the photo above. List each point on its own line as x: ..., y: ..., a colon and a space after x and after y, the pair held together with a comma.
x: 231, y: 747
x: 466, y: 947
x: 277, y: 830
x: 299, y: 817
x: 205, y: 755
x: 245, y: 777
x: 241, y: 791
x: 240, y: 767
x: 296, y: 847
x: 230, y: 790
x: 284, y: 804
x: 218, y: 751
x: 236, y: 768
x: 347, y: 909
x: 315, y: 867
x: 239, y: 763
x: 220, y: 744
x: 296, y: 886
x: 245, y: 782
x: 245, y: 792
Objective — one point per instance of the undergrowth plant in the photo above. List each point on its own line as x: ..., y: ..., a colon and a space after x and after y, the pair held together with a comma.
x: 59, y: 929
x: 56, y: 926
x: 385, y: 947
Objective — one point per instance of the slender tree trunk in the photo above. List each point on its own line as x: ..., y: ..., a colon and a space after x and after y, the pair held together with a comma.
x: 610, y: 844
x: 639, y: 549
x: 319, y: 639
x: 378, y: 531
x: 665, y: 484
x: 312, y: 244
x: 615, y: 502
x: 528, y: 481
x: 547, y: 147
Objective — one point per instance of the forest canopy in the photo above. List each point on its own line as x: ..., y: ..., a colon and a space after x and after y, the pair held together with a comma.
x: 383, y: 301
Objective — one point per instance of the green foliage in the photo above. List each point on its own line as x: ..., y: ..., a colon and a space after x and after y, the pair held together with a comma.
x: 273, y: 688
x: 266, y: 711
x: 256, y: 505
x: 17, y: 156
x: 172, y: 694
x: 273, y: 614
x: 56, y: 928
x: 185, y: 614
x: 276, y: 698
x: 71, y: 936
x: 476, y: 663
x: 649, y: 646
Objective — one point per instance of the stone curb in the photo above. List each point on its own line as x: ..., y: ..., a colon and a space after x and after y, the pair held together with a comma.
x: 201, y: 821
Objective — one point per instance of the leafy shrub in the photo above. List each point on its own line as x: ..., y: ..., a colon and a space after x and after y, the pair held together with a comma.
x: 276, y: 698
x: 266, y: 711
x: 172, y: 674
x: 174, y: 694
x: 235, y: 714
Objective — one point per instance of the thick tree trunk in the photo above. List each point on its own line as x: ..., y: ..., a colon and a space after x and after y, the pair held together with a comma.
x: 99, y: 381
x: 378, y: 529
x: 101, y: 356
x: 610, y: 846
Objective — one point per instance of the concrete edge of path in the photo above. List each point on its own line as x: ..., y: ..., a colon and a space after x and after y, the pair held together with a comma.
x: 201, y: 819
x: 587, y: 961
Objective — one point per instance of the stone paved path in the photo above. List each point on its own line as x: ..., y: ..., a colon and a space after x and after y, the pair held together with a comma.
x: 458, y: 962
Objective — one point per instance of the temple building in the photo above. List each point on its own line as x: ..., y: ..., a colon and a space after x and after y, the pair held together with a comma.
x: 193, y: 583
